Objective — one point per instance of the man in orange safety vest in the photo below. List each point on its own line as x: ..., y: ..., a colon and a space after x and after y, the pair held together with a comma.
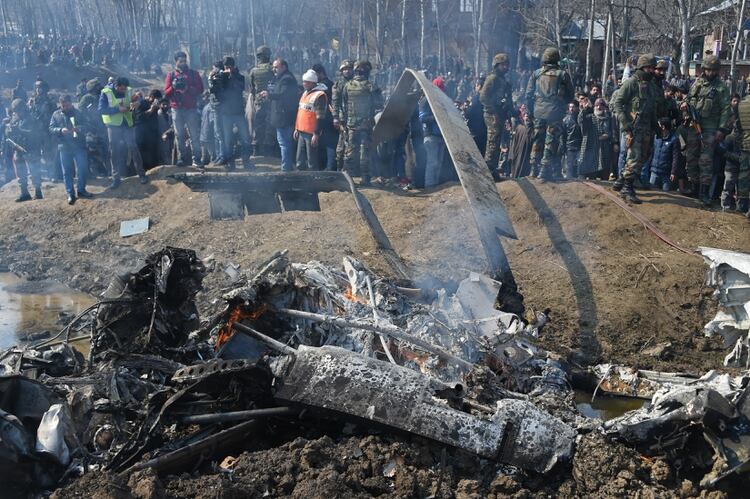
x: 311, y: 114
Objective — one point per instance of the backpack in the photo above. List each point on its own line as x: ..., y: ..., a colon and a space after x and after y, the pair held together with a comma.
x: 548, y: 82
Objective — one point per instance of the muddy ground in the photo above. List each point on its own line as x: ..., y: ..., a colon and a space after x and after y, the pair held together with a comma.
x: 615, y: 292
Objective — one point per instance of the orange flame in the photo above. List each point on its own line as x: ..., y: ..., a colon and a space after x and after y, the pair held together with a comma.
x: 236, y: 315
x: 349, y: 295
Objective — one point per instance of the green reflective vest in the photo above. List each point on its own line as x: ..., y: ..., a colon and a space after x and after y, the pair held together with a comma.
x: 116, y: 119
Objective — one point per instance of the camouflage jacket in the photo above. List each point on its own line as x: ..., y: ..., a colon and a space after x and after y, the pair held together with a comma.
x: 635, y: 105
x: 497, y: 96
x: 710, y: 98
x: 360, y: 101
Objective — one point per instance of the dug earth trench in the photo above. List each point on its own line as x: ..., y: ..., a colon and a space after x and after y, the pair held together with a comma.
x: 616, y: 292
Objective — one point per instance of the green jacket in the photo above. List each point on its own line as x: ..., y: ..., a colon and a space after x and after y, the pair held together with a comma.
x: 635, y: 105
x: 710, y: 98
x: 497, y: 96
x: 260, y: 76
x: 548, y: 93
x: 360, y: 101
x: 336, y: 91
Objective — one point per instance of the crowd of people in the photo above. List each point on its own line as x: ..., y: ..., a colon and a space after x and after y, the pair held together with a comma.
x: 642, y: 132
x: 18, y: 52
x: 639, y: 131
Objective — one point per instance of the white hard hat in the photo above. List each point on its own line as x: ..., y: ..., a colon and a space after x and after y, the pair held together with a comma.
x: 310, y: 76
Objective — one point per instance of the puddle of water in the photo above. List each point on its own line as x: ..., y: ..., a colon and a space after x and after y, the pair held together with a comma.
x: 604, y: 407
x: 34, y: 306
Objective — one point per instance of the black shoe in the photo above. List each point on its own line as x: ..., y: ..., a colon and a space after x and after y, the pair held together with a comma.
x: 25, y: 196
x: 85, y: 194
x: 618, y: 185
x: 38, y: 193
x: 180, y: 163
x: 743, y: 205
x: 115, y: 183
x: 705, y: 195
x: 628, y: 193
x: 71, y: 199
x: 365, y: 181
x: 143, y: 179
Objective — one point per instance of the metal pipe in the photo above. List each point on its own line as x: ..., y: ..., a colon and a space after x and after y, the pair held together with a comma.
x: 389, y: 330
x: 223, y: 417
x: 275, y: 344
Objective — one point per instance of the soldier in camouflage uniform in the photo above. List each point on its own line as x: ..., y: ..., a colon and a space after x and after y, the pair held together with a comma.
x: 635, y: 105
x: 260, y: 76
x: 361, y: 100
x: 41, y: 106
x: 346, y: 71
x: 547, y: 96
x: 709, y: 96
x: 737, y: 171
x: 496, y: 97
x: 21, y: 132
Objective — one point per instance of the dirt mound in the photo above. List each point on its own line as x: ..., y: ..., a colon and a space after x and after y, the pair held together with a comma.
x: 614, y: 289
x: 63, y: 78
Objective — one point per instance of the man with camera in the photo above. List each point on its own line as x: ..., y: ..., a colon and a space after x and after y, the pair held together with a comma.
x: 227, y: 85
x: 183, y: 88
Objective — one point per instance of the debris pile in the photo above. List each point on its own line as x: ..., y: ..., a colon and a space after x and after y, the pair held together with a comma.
x: 300, y: 347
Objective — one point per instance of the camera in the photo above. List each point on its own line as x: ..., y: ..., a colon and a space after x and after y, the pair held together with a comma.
x: 180, y: 82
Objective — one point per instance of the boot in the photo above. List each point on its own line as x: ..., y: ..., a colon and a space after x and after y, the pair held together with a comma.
x: 743, y: 205
x: 365, y: 181
x: 704, y: 193
x: 628, y: 193
x: 727, y: 201
x: 38, y: 193
x: 25, y: 196
x: 618, y: 185
x: 115, y: 183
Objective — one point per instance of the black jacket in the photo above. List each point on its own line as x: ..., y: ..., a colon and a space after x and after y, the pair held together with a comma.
x: 284, y: 94
x: 227, y: 89
x: 572, y: 133
x: 61, y: 120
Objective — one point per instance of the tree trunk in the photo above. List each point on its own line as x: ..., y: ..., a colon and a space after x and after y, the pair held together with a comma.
x: 479, y: 17
x: 252, y: 27
x: 735, y: 47
x: 441, y: 65
x: 378, y: 31
x: 242, y: 63
x: 605, y: 61
x: 421, y: 32
x: 590, y: 42
x: 558, y: 28
x: 685, y: 29
x: 404, y: 43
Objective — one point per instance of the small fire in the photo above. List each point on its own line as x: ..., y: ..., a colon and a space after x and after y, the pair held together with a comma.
x: 236, y: 315
x: 349, y: 295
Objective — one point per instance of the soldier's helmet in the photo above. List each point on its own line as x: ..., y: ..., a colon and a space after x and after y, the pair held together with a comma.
x: 346, y: 64
x: 263, y: 51
x: 550, y: 56
x: 645, y: 60
x: 18, y: 105
x: 363, y: 66
x: 500, y: 58
x: 711, y: 62
x: 662, y: 64
x: 43, y: 85
x: 92, y: 84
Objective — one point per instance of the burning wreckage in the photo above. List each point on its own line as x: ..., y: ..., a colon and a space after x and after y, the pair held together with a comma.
x: 305, y: 343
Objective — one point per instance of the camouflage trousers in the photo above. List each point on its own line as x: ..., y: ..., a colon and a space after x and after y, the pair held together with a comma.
x: 341, y: 148
x: 494, y: 138
x: 706, y: 161
x: 736, y: 180
x: 358, y: 152
x: 264, y: 135
x: 638, y: 153
x: 546, y: 156
x: 25, y: 167
x: 692, y: 153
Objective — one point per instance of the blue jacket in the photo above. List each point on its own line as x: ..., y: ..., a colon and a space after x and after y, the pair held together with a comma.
x: 429, y: 124
x: 666, y: 157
